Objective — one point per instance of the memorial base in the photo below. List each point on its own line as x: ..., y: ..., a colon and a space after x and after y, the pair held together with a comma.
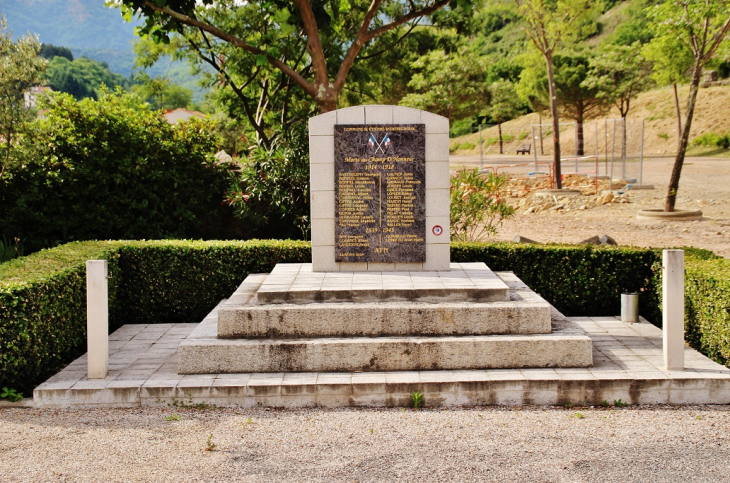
x: 301, y: 327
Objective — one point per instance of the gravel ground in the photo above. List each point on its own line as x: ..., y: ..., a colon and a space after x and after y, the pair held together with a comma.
x: 485, y: 444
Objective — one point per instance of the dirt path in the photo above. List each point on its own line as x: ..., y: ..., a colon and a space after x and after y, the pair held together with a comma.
x: 705, y: 185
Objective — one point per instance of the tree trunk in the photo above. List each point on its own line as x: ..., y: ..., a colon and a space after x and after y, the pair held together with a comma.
x: 623, y: 137
x: 539, y: 120
x: 679, y: 115
x: 326, y: 98
x: 684, y: 139
x: 579, y: 148
x: 556, y: 121
x: 499, y: 128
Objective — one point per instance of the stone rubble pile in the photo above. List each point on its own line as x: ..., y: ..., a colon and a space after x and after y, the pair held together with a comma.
x: 521, y: 194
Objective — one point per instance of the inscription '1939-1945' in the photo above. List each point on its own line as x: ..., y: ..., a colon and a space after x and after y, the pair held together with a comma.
x: 380, y: 193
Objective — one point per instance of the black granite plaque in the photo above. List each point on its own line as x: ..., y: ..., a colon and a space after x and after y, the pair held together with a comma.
x: 380, y: 193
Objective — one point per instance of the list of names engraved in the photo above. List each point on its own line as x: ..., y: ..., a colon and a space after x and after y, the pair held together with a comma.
x: 380, y: 193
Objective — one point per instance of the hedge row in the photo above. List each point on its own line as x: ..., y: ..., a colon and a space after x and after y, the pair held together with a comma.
x: 43, y: 311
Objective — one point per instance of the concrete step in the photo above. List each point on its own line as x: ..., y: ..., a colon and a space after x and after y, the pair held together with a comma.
x: 216, y: 356
x: 296, y: 283
x: 245, y: 316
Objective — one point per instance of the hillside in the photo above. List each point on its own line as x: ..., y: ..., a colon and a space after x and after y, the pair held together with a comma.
x: 656, y: 107
x: 91, y: 30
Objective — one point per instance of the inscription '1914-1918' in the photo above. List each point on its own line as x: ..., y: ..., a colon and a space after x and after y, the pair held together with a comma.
x: 380, y: 188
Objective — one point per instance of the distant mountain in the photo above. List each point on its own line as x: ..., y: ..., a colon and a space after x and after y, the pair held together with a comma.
x: 90, y: 30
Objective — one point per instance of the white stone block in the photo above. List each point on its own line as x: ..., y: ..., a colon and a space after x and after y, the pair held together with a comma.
x: 323, y: 125
x: 321, y: 149
x: 437, y: 175
x: 381, y: 267
x: 378, y: 114
x: 323, y: 258
x: 322, y: 204
x: 351, y: 115
x: 435, y: 124
x: 437, y: 147
x: 322, y: 177
x: 323, y: 232
x: 97, y: 318
x: 406, y: 115
x: 437, y: 203
x: 443, y: 222
x: 673, y: 308
x: 408, y: 266
x: 438, y: 257
x: 353, y: 267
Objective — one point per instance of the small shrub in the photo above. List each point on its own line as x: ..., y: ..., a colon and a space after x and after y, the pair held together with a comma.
x: 476, y: 206
x: 663, y: 135
x: 467, y: 146
x: 523, y: 135
x: 508, y: 138
x: 491, y: 141
x: 711, y: 139
x: 453, y: 146
x: 416, y: 399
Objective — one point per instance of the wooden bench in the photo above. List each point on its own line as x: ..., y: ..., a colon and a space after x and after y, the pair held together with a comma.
x: 524, y: 149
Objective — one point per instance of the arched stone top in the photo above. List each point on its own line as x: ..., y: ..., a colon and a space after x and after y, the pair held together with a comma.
x: 323, y: 124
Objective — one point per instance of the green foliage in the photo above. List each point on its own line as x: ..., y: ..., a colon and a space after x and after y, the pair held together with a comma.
x: 113, y: 169
x: 82, y: 77
x: 504, y: 104
x: 49, y: 51
x: 461, y: 127
x: 416, y: 399
x: 10, y: 249
x: 467, y: 146
x: 11, y: 395
x: 713, y: 139
x: 271, y: 193
x: 663, y: 135
x: 476, y: 206
x: 20, y: 69
x: 707, y: 306
x: 523, y: 135
x: 160, y: 93
x: 451, y: 85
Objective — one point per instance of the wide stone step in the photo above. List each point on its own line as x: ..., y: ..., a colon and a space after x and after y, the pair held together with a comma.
x: 214, y: 356
x: 244, y: 315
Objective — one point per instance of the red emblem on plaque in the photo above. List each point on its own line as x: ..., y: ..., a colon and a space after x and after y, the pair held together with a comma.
x: 437, y: 230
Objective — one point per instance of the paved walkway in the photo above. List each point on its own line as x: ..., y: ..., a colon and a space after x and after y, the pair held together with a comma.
x: 627, y: 366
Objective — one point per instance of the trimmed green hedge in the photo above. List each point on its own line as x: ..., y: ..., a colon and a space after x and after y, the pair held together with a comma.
x: 43, y: 306
x: 707, y: 307
x: 577, y: 280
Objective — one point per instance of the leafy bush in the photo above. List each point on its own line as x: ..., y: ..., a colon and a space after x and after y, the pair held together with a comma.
x: 467, y: 146
x: 476, y: 206
x: 113, y: 169
x: 712, y: 139
x: 523, y: 135
x: 461, y: 127
x: 453, y: 147
x: 271, y: 194
x: 491, y: 141
x: 707, y: 306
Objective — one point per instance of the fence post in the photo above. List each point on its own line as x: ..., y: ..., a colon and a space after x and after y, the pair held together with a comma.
x: 673, y: 309
x: 97, y: 318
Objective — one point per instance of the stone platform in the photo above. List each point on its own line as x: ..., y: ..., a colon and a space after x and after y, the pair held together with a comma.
x: 627, y: 365
x: 465, y: 282
x: 425, y: 333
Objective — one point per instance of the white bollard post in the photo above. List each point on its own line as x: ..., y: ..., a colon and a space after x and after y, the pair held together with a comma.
x: 97, y: 318
x: 673, y: 309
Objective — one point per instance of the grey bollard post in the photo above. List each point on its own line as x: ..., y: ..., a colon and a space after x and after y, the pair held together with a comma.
x: 97, y: 318
x: 673, y: 309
